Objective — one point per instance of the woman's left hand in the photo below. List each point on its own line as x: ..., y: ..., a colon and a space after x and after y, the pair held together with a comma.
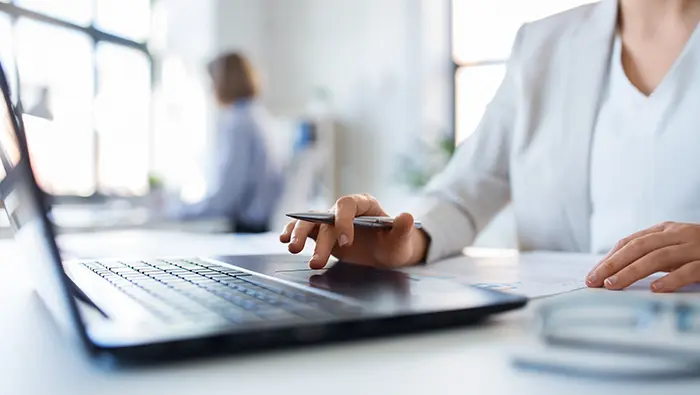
x: 669, y: 247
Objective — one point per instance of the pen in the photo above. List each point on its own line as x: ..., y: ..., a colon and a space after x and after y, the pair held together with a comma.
x: 363, y: 221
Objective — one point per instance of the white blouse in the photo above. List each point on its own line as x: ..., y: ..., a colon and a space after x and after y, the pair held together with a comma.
x: 645, y: 158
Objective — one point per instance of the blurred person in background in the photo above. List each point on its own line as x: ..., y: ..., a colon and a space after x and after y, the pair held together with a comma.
x: 593, y: 137
x: 245, y: 179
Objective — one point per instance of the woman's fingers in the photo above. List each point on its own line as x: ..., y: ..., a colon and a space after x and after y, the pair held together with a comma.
x: 622, y: 243
x: 341, y: 233
x: 629, y: 253
x: 685, y: 275
x: 324, y: 247
x: 401, y: 231
x: 345, y: 212
x: 393, y: 248
x: 663, y: 259
x: 349, y: 207
x: 286, y: 234
x: 302, y: 230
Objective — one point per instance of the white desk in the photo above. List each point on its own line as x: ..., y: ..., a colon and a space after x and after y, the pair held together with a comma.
x: 34, y: 359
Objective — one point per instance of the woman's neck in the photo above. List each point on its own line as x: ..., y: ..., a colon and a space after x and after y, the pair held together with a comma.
x: 643, y: 18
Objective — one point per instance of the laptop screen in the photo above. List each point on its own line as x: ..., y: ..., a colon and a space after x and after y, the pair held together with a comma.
x: 9, y: 146
x: 23, y: 202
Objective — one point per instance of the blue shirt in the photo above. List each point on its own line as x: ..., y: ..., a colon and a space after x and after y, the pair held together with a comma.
x: 245, y: 180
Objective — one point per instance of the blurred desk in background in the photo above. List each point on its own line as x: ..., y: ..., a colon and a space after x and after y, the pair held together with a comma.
x: 105, y: 217
x: 36, y: 359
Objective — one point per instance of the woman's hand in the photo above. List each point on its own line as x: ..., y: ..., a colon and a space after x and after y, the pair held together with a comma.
x: 668, y: 247
x: 402, y: 245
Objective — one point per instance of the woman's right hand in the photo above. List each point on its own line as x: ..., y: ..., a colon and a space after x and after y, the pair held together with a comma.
x: 402, y: 245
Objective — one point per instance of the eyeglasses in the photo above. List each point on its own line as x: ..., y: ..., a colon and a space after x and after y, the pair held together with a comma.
x: 626, y: 326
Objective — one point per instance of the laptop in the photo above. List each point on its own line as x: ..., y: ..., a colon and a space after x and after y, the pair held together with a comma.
x: 135, y: 311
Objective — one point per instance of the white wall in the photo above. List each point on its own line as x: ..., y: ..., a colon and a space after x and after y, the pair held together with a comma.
x: 361, y: 51
x: 240, y: 26
x: 386, y: 63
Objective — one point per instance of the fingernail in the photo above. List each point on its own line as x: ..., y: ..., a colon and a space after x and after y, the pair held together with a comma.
x: 344, y: 240
x: 294, y: 240
x: 657, y: 286
x: 592, y: 277
x: 611, y: 280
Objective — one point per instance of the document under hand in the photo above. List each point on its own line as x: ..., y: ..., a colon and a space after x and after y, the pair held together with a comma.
x: 534, y: 275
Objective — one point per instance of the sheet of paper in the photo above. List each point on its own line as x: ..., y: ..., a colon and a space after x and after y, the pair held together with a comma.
x: 530, y: 274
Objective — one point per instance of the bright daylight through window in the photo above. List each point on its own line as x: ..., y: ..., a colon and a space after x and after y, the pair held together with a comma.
x: 84, y: 77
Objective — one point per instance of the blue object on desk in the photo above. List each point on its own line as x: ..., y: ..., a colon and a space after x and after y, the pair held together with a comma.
x: 306, y: 135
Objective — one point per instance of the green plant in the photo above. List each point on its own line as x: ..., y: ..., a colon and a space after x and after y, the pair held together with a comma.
x: 155, y: 182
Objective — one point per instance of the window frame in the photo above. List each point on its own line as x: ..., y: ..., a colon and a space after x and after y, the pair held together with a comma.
x: 457, y: 66
x: 97, y: 36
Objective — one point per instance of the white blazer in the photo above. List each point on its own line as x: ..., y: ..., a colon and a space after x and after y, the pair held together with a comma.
x: 532, y: 147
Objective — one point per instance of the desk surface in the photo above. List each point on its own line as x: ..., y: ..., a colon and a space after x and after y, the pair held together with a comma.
x: 35, y: 359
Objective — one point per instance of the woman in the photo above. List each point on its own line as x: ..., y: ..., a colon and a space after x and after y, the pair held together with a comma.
x: 246, y: 179
x: 593, y: 135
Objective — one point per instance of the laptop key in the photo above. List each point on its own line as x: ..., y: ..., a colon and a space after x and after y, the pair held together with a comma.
x: 201, y: 281
x: 92, y: 265
x: 168, y: 268
x: 132, y: 273
x: 188, y: 266
x: 219, y: 276
x: 174, y: 281
x: 144, y: 281
x: 228, y: 270
x: 121, y: 269
x: 204, y: 270
x: 149, y: 270
x: 112, y: 264
x: 178, y: 271
x: 200, y: 262
x: 160, y: 263
x: 136, y: 264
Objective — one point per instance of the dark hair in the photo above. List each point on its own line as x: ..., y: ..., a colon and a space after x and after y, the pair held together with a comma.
x: 233, y: 77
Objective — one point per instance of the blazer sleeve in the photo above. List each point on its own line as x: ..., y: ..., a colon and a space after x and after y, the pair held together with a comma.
x: 460, y: 201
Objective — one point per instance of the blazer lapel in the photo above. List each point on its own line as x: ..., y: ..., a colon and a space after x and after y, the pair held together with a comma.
x: 590, y: 59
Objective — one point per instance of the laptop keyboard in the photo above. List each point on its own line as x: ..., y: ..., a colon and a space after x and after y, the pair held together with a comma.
x: 196, y: 290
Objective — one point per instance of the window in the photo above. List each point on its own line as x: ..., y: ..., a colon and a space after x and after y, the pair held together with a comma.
x: 482, y: 36
x: 84, y: 78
